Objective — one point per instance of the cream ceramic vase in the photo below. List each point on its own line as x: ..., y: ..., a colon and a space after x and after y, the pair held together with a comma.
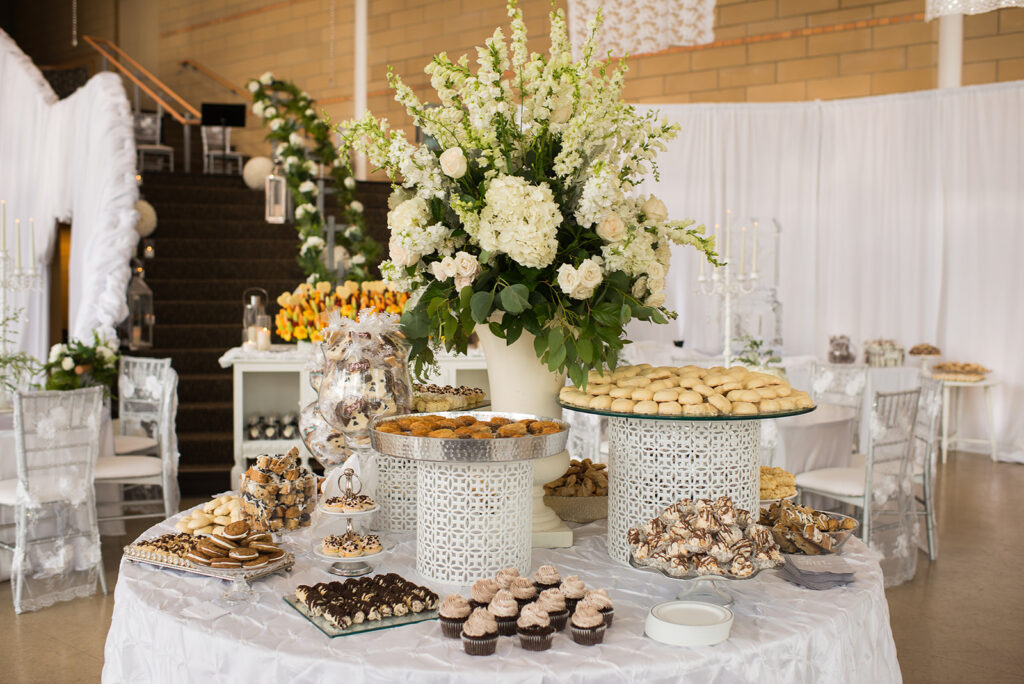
x: 520, y: 383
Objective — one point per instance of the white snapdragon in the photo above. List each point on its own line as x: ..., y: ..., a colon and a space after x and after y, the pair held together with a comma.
x: 412, y: 235
x: 602, y: 193
x: 68, y: 363
x: 397, y: 278
x: 313, y: 242
x: 267, y: 78
x: 520, y: 220
x: 453, y: 162
x: 308, y: 188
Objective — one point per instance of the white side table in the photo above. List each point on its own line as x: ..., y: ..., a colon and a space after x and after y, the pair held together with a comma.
x: 951, y: 404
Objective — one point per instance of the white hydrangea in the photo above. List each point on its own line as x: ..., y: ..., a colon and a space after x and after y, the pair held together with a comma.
x: 413, y: 236
x: 304, y: 210
x: 520, y: 220
x: 313, y: 242
x: 308, y: 188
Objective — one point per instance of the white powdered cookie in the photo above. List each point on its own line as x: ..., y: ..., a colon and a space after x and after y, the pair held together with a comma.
x: 635, y: 381
x: 645, y: 407
x: 669, y: 408
x: 783, y: 390
x: 716, y: 379
x: 749, y: 396
x: 658, y: 373
x: 738, y: 370
x: 767, y: 392
x: 689, y: 381
x: 755, y: 382
x: 743, y: 408
x: 659, y: 385
x: 729, y: 387
x: 699, y: 410
x: 803, y: 402
x: 786, y: 404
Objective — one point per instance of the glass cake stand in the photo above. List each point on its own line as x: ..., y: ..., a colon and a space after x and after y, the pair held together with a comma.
x: 702, y: 587
x: 348, y: 566
x: 655, y: 461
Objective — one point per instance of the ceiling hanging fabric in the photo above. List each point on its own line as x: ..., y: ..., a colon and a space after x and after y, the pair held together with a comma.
x: 642, y: 26
x: 940, y: 8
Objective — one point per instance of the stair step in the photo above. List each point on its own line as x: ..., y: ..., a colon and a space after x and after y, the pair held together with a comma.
x: 209, y: 212
x: 223, y: 290
x: 205, y: 416
x: 222, y: 336
x: 218, y: 268
x: 171, y: 230
x: 243, y: 248
x: 181, y: 179
x: 205, y: 449
x: 198, y: 387
x: 181, y: 312
x: 234, y: 194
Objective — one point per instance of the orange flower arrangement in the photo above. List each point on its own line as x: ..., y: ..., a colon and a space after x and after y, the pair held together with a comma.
x: 304, y: 311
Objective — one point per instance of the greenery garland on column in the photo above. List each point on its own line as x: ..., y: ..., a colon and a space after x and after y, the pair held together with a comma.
x: 288, y: 112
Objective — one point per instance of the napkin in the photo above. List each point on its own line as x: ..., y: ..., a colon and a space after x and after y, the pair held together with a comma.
x: 817, y: 573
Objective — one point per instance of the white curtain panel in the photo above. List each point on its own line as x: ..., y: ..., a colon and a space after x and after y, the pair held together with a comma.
x: 68, y: 160
x: 902, y: 217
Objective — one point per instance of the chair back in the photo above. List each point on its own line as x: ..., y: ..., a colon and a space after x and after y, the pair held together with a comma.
x: 215, y: 138
x: 147, y: 128
x: 142, y: 392
x: 893, y: 420
x: 929, y: 410
x: 843, y: 385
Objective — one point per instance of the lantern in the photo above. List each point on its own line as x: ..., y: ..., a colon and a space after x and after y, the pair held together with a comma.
x: 140, y: 321
x: 255, y: 319
x: 276, y: 189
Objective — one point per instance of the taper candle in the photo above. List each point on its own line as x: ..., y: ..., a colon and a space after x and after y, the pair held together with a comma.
x: 17, y: 235
x: 32, y: 246
x: 753, y: 254
x: 743, y: 250
x: 3, y: 225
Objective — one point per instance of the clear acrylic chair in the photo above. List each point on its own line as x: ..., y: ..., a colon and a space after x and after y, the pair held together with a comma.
x: 926, y: 450
x: 57, y: 553
x: 148, y: 405
x: 842, y: 385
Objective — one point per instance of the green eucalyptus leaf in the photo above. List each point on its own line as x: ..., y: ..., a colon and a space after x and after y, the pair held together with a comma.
x: 480, y: 304
x: 515, y: 298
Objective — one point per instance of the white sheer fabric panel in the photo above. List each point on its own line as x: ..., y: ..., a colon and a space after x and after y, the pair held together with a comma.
x: 901, y: 218
x: 64, y: 160
x: 939, y: 8
x: 641, y: 26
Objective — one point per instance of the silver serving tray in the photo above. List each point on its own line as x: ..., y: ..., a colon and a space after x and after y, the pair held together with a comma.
x: 469, y: 450
x: 135, y: 555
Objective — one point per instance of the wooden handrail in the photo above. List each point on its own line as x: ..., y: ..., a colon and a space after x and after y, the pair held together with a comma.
x: 213, y: 75
x: 189, y: 109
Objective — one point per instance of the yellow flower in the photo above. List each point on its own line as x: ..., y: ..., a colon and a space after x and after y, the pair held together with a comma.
x: 301, y: 333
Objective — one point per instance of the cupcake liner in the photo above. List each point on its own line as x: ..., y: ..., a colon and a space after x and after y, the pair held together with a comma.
x: 535, y: 642
x: 609, y: 615
x: 559, y: 619
x: 452, y: 627
x: 506, y: 625
x: 473, y: 605
x: 523, y: 602
x: 570, y: 603
x: 544, y: 587
x: 588, y: 636
x: 480, y: 646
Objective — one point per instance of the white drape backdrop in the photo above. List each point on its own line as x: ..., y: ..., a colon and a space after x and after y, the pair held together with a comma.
x: 902, y: 216
x: 69, y: 160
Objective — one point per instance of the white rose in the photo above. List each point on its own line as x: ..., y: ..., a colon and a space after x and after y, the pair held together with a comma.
x: 466, y: 265
x: 291, y: 161
x: 590, y: 275
x: 269, y: 112
x: 254, y: 86
x: 655, y: 210
x: 57, y: 351
x: 560, y: 114
x: 437, y: 268
x: 655, y: 299
x: 356, y: 206
x: 400, y: 255
x: 568, y: 279
x: 310, y: 113
x: 296, y: 139
x: 655, y: 285
x: 612, y: 229
x: 640, y: 287
x: 257, y: 109
x: 350, y: 183
x: 453, y: 162
x: 308, y: 188
x: 656, y: 271
x: 276, y: 124
x: 304, y: 209
x: 267, y: 78
x: 462, y: 281
x: 68, y: 363
x: 311, y: 167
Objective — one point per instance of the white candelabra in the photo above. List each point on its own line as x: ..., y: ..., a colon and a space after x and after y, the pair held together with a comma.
x: 723, y: 284
x: 19, y: 278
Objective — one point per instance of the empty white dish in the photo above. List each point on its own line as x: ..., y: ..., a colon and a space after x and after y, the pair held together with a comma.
x: 688, y: 623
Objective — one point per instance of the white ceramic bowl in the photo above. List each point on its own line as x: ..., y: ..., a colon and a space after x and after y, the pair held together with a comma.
x: 688, y: 623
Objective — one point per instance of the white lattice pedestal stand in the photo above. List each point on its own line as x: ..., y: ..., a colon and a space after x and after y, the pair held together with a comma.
x: 396, y: 493
x: 473, y: 498
x: 473, y: 520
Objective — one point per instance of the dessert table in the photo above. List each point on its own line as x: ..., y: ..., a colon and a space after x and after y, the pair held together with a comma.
x: 781, y: 633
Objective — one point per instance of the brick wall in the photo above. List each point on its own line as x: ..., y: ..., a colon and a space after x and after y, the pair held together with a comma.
x: 833, y: 48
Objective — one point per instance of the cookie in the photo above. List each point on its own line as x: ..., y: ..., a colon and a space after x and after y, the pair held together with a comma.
x: 236, y: 531
x: 210, y: 549
x: 275, y: 555
x: 257, y: 537
x: 225, y: 563
x: 260, y: 562
x: 263, y: 546
x: 243, y: 554
x: 222, y: 541
x: 645, y: 407
x: 198, y: 558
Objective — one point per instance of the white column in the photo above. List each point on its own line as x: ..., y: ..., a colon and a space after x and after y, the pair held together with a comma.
x: 951, y: 50
x: 359, y: 80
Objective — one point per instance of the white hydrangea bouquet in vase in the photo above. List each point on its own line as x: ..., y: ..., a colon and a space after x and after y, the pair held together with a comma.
x: 523, y: 224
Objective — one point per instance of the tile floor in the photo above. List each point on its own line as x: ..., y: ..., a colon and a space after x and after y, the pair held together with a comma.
x: 960, y: 620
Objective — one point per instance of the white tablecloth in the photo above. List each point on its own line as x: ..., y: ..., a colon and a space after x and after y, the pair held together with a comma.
x: 782, y: 633
x: 820, y: 439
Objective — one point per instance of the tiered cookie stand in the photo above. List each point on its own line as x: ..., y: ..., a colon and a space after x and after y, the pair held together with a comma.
x: 654, y: 461
x: 473, y: 500
x: 355, y: 566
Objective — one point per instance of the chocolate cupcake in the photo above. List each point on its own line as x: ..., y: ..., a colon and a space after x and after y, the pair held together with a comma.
x: 546, y: 577
x: 598, y: 598
x: 452, y: 614
x: 523, y: 591
x: 504, y: 577
x: 553, y: 603
x: 587, y: 626
x: 482, y: 592
x: 480, y: 633
x: 573, y: 590
x: 505, y: 610
x: 534, y: 628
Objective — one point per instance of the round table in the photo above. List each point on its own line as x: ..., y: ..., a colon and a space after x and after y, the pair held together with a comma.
x: 782, y: 632
x: 822, y: 439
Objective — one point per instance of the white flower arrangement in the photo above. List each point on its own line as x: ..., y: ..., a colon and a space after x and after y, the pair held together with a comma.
x: 312, y: 243
x: 529, y: 208
x: 308, y: 188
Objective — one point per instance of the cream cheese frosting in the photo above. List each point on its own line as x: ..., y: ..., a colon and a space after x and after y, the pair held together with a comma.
x: 454, y: 606
x: 573, y: 588
x: 483, y: 591
x: 522, y: 588
x: 587, y: 617
x: 533, y: 616
x: 504, y: 577
x: 503, y: 604
x: 480, y: 624
x: 551, y: 600
x: 547, y: 575
x: 598, y: 598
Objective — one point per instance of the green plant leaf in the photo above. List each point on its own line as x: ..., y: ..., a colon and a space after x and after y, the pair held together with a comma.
x: 585, y: 348
x: 480, y: 304
x: 416, y: 323
x: 515, y: 298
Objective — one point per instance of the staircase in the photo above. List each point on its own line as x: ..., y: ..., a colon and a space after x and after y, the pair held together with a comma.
x: 211, y: 245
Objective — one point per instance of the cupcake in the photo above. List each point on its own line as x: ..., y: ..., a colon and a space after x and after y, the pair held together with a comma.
x: 504, y: 577
x: 453, y: 613
x: 505, y: 610
x: 553, y: 603
x: 480, y: 633
x: 587, y: 626
x: 482, y: 593
x: 534, y: 628
x: 546, y: 577
x: 573, y: 590
x: 598, y: 598
x: 523, y: 591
